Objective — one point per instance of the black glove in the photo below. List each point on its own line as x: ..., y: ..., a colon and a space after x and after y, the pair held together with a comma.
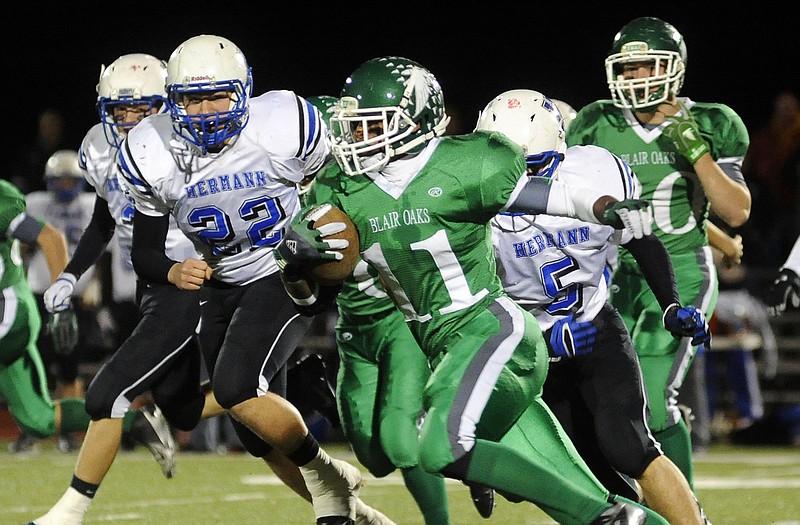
x: 782, y: 292
x: 63, y: 328
x: 688, y: 321
x: 303, y: 245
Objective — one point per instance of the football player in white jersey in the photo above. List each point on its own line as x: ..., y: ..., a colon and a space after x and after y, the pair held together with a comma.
x: 160, y: 357
x: 226, y: 166
x: 66, y: 206
x: 557, y: 269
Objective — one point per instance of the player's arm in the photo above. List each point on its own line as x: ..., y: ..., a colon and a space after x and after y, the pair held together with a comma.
x: 62, y: 325
x: 731, y: 248
x: 309, y: 297
x: 304, y: 245
x: 730, y: 199
x: 91, y: 246
x: 542, y: 195
x: 150, y: 261
x: 94, y: 240
x: 654, y: 262
x: 52, y: 241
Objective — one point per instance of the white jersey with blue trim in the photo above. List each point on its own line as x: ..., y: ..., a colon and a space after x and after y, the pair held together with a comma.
x: 99, y: 160
x: 70, y: 218
x: 235, y: 204
x: 555, y: 266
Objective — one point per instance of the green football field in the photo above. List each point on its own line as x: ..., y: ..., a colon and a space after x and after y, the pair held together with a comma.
x: 738, y: 486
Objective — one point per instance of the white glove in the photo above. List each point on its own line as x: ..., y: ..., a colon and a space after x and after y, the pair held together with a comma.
x: 57, y: 297
x: 634, y: 215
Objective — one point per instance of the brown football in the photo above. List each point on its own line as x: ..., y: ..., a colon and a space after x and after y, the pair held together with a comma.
x: 334, y: 272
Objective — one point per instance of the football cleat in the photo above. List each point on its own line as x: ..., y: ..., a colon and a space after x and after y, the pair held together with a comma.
x: 483, y: 499
x: 24, y: 444
x: 151, y: 429
x: 621, y: 514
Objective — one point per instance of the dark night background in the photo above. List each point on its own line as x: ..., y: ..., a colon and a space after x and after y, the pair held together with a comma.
x: 740, y: 57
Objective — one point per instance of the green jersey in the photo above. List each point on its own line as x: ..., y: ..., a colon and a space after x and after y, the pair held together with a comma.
x: 680, y: 207
x: 429, y: 237
x: 362, y: 294
x: 12, y: 207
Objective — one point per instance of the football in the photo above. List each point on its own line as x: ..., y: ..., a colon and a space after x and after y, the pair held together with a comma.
x: 334, y: 272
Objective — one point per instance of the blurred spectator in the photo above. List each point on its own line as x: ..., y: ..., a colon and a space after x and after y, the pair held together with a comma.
x: 28, y: 171
x: 741, y: 332
x: 772, y: 171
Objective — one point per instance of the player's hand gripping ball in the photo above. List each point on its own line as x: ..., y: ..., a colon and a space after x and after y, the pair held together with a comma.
x: 321, y: 244
x: 334, y: 272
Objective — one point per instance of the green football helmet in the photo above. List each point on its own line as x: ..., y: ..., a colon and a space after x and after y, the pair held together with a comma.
x: 650, y: 41
x: 393, y: 92
x: 325, y: 104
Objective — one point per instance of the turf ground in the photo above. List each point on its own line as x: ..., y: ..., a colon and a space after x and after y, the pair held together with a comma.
x: 738, y: 486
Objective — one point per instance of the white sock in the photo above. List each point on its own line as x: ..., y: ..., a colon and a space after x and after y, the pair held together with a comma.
x: 69, y: 510
x: 329, y: 486
x: 319, y: 470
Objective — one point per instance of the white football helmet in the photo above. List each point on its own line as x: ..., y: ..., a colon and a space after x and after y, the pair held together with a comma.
x: 131, y: 80
x: 63, y: 175
x: 531, y: 120
x: 208, y: 63
x: 568, y: 113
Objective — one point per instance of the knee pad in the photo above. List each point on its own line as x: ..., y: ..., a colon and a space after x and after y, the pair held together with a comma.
x: 102, y: 402
x: 228, y: 394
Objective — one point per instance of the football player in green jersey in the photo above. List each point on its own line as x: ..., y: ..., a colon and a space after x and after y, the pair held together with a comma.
x: 688, y: 157
x: 23, y: 383
x: 380, y: 379
x: 422, y: 203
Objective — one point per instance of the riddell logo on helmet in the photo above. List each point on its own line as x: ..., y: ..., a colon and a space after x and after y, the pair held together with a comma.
x: 203, y: 77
